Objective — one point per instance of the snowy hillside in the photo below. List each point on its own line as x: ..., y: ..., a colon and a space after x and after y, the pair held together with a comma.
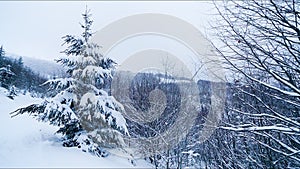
x: 43, y: 67
x: 24, y: 142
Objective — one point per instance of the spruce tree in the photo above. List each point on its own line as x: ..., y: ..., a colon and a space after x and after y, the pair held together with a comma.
x: 12, y: 92
x: 87, y: 116
x: 2, y: 53
x: 6, y: 76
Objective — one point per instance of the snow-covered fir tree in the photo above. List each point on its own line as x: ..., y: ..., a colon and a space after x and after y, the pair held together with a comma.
x: 87, y: 116
x: 2, y: 53
x: 6, y: 76
x: 12, y: 92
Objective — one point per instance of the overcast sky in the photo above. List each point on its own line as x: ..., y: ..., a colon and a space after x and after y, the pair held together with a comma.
x: 35, y: 28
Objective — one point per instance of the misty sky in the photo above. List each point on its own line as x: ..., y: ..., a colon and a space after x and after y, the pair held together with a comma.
x: 35, y: 28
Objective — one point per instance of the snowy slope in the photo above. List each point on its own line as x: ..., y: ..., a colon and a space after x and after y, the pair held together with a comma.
x: 44, y: 67
x: 24, y: 142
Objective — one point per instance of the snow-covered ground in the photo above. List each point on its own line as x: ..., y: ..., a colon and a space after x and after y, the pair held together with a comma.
x: 25, y: 142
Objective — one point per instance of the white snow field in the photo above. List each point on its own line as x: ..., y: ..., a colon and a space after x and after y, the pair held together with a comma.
x: 25, y: 142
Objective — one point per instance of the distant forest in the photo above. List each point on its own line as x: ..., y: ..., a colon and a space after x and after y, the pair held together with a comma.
x: 13, y: 74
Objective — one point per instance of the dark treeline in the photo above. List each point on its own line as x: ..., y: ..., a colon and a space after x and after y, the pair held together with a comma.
x: 13, y: 73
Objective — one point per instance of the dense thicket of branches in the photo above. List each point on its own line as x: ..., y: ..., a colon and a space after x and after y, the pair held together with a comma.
x: 261, y: 46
